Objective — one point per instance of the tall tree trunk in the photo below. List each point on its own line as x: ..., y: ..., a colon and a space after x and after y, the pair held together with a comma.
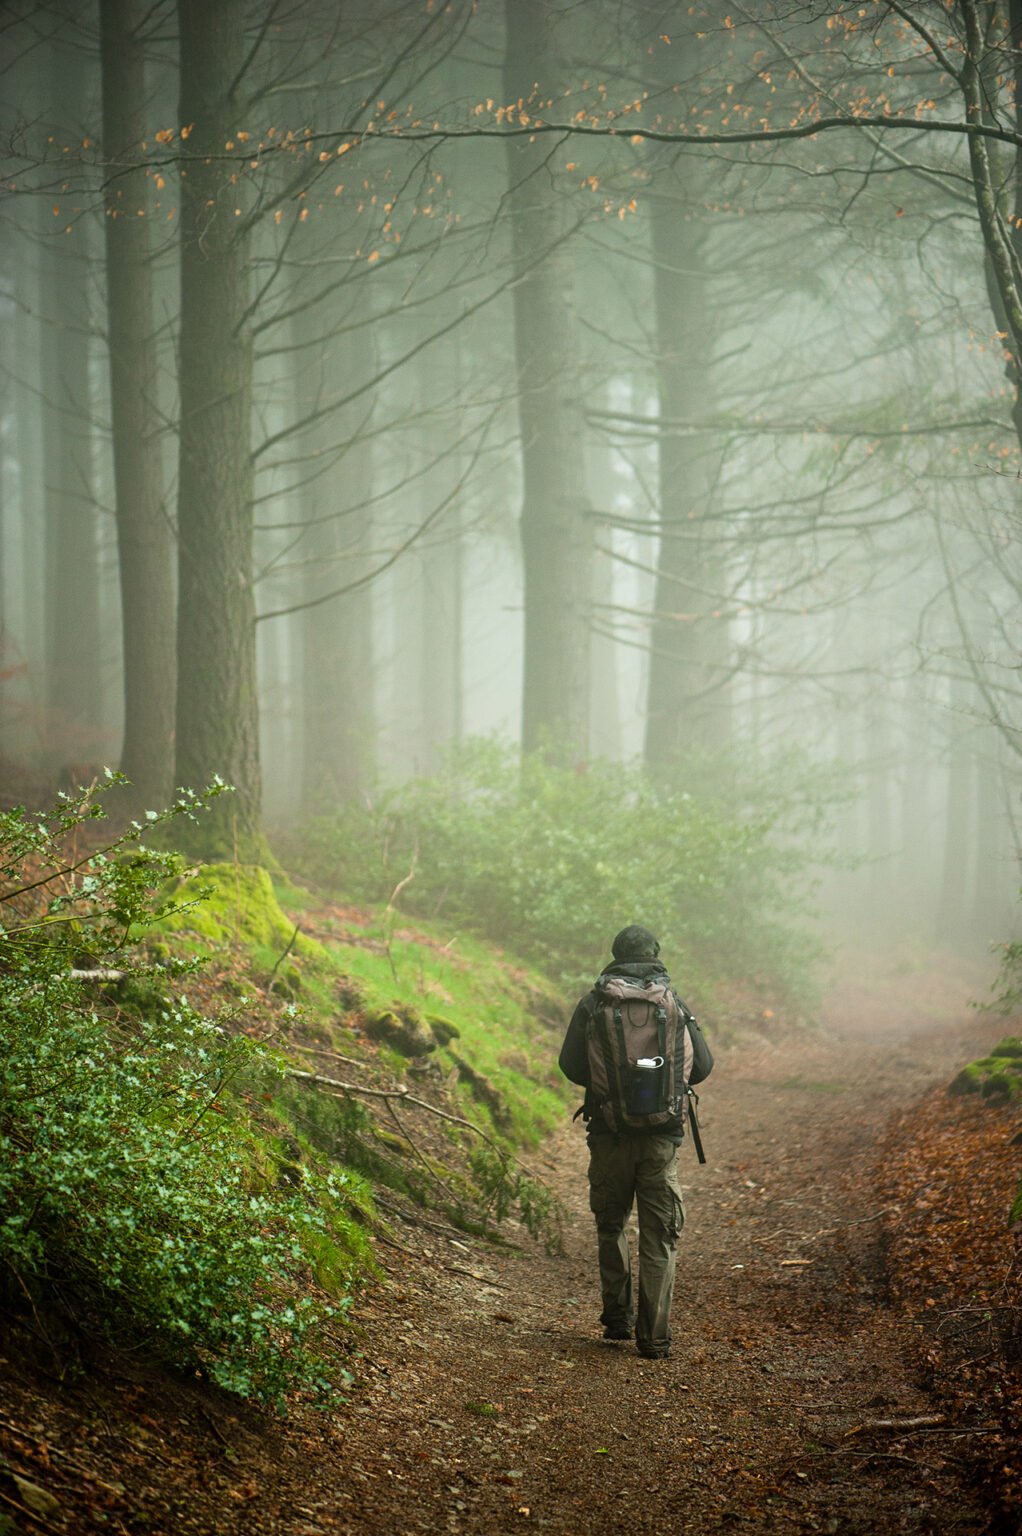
x: 556, y: 536
x: 73, y: 673
x: 143, y: 532
x: 878, y: 814
x: 338, y: 728
x: 605, y: 688
x: 438, y: 374
x: 951, y: 909
x: 690, y: 638
x: 440, y: 688
x: 217, y: 706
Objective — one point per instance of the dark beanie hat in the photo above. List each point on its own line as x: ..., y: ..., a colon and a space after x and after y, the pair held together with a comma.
x: 635, y: 943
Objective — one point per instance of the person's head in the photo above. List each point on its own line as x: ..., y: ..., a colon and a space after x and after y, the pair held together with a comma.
x: 635, y: 943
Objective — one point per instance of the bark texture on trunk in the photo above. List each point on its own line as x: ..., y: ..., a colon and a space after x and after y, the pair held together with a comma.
x: 556, y: 535
x: 217, y: 705
x: 144, y: 542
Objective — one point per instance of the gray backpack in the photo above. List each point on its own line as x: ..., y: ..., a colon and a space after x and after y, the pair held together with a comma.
x: 639, y: 1053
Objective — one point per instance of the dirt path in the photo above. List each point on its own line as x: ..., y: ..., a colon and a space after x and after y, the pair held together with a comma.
x: 486, y: 1401
x: 492, y: 1404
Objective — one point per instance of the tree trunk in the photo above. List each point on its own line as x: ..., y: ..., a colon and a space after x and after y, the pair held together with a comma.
x: 688, y: 665
x: 556, y: 536
x: 73, y: 734
x: 143, y: 530
x: 217, y: 707
x: 338, y: 726
x: 605, y: 688
x: 438, y: 375
x: 952, y: 923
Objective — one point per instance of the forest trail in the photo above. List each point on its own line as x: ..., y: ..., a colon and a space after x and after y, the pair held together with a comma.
x: 500, y: 1407
x: 486, y: 1401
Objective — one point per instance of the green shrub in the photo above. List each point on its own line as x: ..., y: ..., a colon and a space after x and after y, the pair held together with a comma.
x: 551, y: 861
x: 136, y: 1195
x: 1007, y: 988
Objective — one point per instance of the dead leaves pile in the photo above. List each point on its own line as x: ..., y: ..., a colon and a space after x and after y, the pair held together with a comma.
x: 950, y: 1170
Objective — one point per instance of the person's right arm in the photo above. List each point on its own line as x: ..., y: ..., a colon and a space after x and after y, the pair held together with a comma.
x: 573, y: 1060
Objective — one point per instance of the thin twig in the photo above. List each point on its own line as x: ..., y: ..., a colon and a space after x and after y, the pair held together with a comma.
x: 38, y: 1520
x: 283, y: 956
x: 349, y: 1061
x: 456, y: 1269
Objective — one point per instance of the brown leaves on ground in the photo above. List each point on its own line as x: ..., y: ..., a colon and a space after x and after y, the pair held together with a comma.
x: 950, y: 1169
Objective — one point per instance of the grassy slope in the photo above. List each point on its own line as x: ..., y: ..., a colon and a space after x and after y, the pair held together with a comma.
x: 493, y: 1026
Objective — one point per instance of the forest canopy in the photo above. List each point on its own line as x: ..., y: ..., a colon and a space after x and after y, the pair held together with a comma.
x: 627, y: 382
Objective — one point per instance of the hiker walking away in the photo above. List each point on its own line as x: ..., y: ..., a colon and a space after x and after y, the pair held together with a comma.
x: 635, y: 1048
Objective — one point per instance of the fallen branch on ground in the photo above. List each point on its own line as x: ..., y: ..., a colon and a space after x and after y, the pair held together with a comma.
x: 921, y: 1421
x: 319, y: 1079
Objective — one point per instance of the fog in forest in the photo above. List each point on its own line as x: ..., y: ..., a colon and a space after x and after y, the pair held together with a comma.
x: 381, y: 375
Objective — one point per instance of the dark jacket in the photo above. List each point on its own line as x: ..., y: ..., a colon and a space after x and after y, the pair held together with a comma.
x: 574, y: 1062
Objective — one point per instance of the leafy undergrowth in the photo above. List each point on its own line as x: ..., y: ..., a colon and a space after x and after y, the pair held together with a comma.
x: 552, y: 859
x: 950, y: 1171
x: 206, y: 1103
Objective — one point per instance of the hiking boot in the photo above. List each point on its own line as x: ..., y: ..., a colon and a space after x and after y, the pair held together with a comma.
x: 654, y: 1351
x: 616, y: 1331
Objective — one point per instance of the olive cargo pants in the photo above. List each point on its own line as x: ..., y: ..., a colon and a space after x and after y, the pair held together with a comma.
x: 623, y: 1169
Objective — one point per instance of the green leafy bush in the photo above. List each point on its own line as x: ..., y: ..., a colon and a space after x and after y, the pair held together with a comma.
x: 551, y: 861
x: 1007, y: 988
x: 138, y: 1192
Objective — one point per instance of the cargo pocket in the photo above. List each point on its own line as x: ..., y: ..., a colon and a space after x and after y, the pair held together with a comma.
x: 606, y: 1198
x: 677, y: 1220
x: 678, y: 1216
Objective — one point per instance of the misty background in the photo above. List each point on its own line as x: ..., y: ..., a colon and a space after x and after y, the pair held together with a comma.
x: 348, y: 414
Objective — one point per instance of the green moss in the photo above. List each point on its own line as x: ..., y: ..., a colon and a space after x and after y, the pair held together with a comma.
x: 403, y: 1029
x: 443, y: 1030
x: 227, y: 905
x: 509, y: 1020
x: 997, y: 1077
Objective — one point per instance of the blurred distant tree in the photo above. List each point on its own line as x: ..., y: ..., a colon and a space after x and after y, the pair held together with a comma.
x: 73, y: 673
x: 556, y: 533
x: 217, y: 701
x: 689, y: 643
x: 143, y: 527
